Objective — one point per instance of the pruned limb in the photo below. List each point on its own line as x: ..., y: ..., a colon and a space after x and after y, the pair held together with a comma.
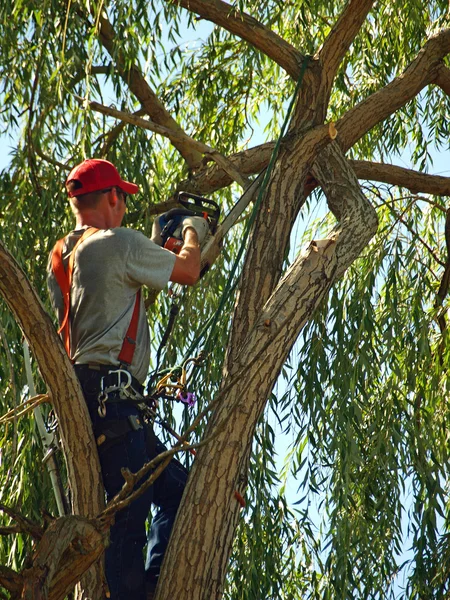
x: 443, y: 78
x: 340, y: 38
x: 175, y: 136
x: 68, y: 548
x: 137, y: 84
x: 249, y: 29
x: 423, y: 70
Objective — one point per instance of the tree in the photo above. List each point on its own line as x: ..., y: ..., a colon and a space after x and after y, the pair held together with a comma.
x: 364, y: 394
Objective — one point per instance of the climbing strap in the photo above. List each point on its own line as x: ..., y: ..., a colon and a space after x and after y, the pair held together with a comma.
x: 64, y: 281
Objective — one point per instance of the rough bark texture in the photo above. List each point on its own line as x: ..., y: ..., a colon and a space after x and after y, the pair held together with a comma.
x: 75, y: 426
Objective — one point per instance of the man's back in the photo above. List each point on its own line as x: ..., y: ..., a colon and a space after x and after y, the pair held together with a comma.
x: 109, y: 268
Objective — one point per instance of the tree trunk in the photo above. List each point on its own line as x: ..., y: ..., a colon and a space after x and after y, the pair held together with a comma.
x: 78, y: 442
x: 197, y: 558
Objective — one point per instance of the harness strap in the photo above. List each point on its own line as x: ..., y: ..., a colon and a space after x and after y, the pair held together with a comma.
x: 64, y: 280
x: 129, y: 341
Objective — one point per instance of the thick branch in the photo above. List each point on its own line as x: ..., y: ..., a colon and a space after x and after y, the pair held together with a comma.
x: 143, y: 92
x: 421, y: 72
x: 357, y: 218
x: 443, y: 78
x: 407, y: 178
x: 249, y: 29
x: 75, y: 426
x: 209, y: 513
x: 340, y: 38
x: 254, y: 160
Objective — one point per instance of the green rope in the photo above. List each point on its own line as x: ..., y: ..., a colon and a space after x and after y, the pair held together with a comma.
x: 230, y: 285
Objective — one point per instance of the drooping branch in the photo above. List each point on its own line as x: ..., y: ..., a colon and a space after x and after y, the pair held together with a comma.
x: 339, y: 40
x: 137, y: 84
x: 175, y: 136
x: 445, y: 282
x: 379, y: 106
x: 249, y: 29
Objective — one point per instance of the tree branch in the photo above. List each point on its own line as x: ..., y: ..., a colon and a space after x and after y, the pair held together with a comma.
x: 412, y: 180
x: 340, y: 38
x: 143, y: 92
x: 114, y: 134
x: 254, y: 160
x: 24, y: 524
x: 249, y: 29
x: 422, y: 71
x: 175, y: 136
x: 443, y: 78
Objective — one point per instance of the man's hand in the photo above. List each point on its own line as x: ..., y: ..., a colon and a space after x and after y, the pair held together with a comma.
x: 198, y: 224
x: 178, y: 226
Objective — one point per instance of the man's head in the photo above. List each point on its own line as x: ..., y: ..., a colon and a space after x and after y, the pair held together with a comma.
x: 96, y: 186
x: 95, y: 175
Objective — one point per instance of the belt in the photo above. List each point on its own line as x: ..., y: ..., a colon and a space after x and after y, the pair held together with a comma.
x: 108, y: 376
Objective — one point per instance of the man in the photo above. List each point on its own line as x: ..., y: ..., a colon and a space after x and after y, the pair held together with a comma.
x: 95, y: 275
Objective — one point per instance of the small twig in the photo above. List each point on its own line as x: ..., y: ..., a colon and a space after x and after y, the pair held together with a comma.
x: 25, y: 525
x: 24, y: 408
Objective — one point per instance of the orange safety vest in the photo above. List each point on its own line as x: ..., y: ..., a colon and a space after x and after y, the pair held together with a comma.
x: 64, y: 281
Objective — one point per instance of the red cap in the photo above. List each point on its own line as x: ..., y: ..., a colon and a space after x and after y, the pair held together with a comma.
x: 95, y: 174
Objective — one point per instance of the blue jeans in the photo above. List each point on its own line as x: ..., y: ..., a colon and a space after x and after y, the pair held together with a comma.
x: 126, y: 573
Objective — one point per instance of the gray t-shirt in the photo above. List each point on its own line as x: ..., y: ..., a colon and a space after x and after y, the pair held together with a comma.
x: 109, y: 268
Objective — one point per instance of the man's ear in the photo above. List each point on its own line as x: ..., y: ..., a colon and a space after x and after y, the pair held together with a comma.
x: 113, y: 197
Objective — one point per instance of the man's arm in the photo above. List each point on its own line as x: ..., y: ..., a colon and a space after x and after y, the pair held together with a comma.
x: 187, y: 263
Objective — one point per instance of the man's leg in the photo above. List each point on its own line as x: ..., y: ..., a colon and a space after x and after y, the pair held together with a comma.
x: 168, y: 491
x: 124, y: 560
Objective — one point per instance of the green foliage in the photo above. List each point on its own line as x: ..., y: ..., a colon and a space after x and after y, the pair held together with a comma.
x: 362, y: 399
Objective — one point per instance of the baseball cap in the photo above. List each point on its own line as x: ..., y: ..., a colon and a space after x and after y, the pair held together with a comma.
x: 96, y: 174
